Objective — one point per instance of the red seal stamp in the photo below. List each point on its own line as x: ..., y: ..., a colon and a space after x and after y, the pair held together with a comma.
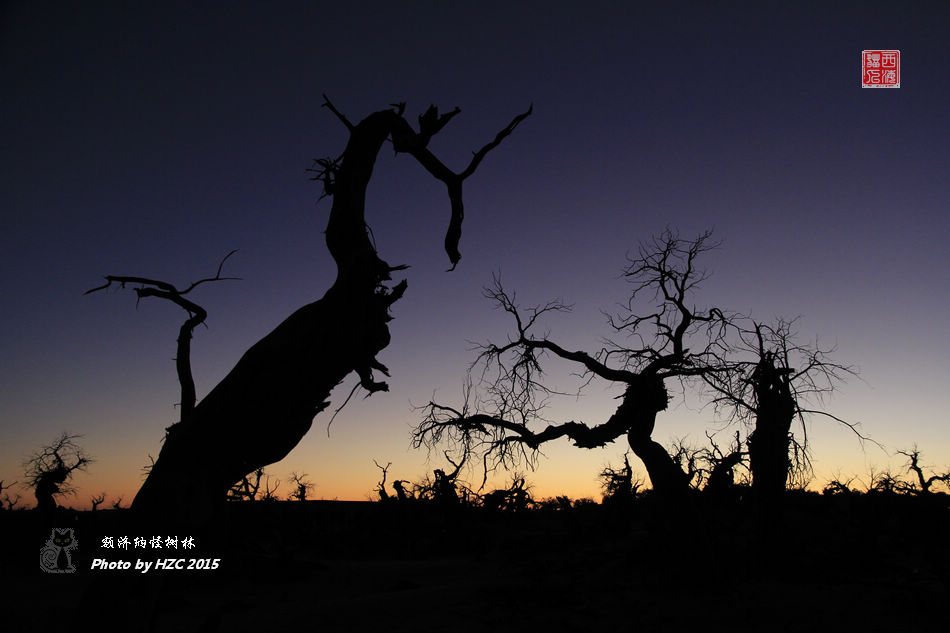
x: 880, y: 69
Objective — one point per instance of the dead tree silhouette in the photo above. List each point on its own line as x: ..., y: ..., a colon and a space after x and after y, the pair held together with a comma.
x: 49, y: 470
x: 775, y: 409
x: 402, y: 494
x: 266, y: 404
x: 924, y: 484
x: 515, y: 498
x: 381, y: 486
x: 673, y: 340
x: 618, y: 484
x: 10, y: 502
x: 443, y: 488
x: 97, y: 500
x: 302, y: 487
x: 247, y: 489
x: 783, y: 380
x: 721, y: 471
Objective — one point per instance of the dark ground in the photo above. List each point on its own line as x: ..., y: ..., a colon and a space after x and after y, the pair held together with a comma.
x: 845, y: 563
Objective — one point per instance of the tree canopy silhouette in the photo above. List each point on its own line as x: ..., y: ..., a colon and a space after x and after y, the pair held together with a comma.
x: 666, y: 337
x: 49, y: 470
x: 781, y: 380
x: 265, y: 405
x: 673, y: 340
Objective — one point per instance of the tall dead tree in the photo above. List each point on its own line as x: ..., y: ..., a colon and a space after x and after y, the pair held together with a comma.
x: 775, y: 409
x: 672, y: 340
x: 267, y: 402
x: 781, y: 380
x: 924, y: 483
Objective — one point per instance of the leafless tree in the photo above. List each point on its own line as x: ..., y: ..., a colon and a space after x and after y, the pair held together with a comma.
x: 117, y: 504
x: 559, y: 503
x: 720, y: 469
x: 96, y: 500
x: 249, y: 486
x: 516, y: 497
x: 689, y: 458
x: 402, y: 493
x: 381, y: 486
x: 669, y: 340
x: 5, y: 486
x: 774, y: 380
x: 708, y: 468
x: 49, y: 470
x: 444, y: 487
x: 270, y: 489
x: 267, y: 402
x: 924, y: 484
x: 884, y: 481
x: 10, y: 502
x: 302, y: 487
x: 839, y: 485
x: 619, y: 484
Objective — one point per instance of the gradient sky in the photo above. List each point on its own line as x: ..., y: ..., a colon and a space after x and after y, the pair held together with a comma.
x: 152, y: 138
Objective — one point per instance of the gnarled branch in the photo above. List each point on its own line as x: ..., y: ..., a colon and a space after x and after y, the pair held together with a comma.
x: 196, y: 316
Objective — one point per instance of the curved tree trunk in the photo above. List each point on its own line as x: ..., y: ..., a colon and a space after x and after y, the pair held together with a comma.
x: 260, y: 411
x: 641, y: 403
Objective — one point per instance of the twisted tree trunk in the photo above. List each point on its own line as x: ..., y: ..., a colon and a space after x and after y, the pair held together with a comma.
x: 262, y: 409
x: 642, y: 402
x: 769, y: 442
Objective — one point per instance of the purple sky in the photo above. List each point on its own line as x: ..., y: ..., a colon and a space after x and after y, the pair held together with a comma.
x: 151, y: 140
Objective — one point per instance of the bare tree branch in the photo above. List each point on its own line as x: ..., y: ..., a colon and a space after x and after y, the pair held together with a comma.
x: 406, y: 140
x: 502, y: 424
x: 773, y: 380
x: 96, y: 500
x: 56, y: 462
x: 303, y: 486
x: 265, y: 405
x: 329, y: 105
x: 196, y: 316
x: 924, y: 483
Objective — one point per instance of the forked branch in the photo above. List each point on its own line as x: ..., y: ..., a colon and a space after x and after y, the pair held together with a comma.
x: 196, y: 316
x: 405, y: 139
x: 501, y: 426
